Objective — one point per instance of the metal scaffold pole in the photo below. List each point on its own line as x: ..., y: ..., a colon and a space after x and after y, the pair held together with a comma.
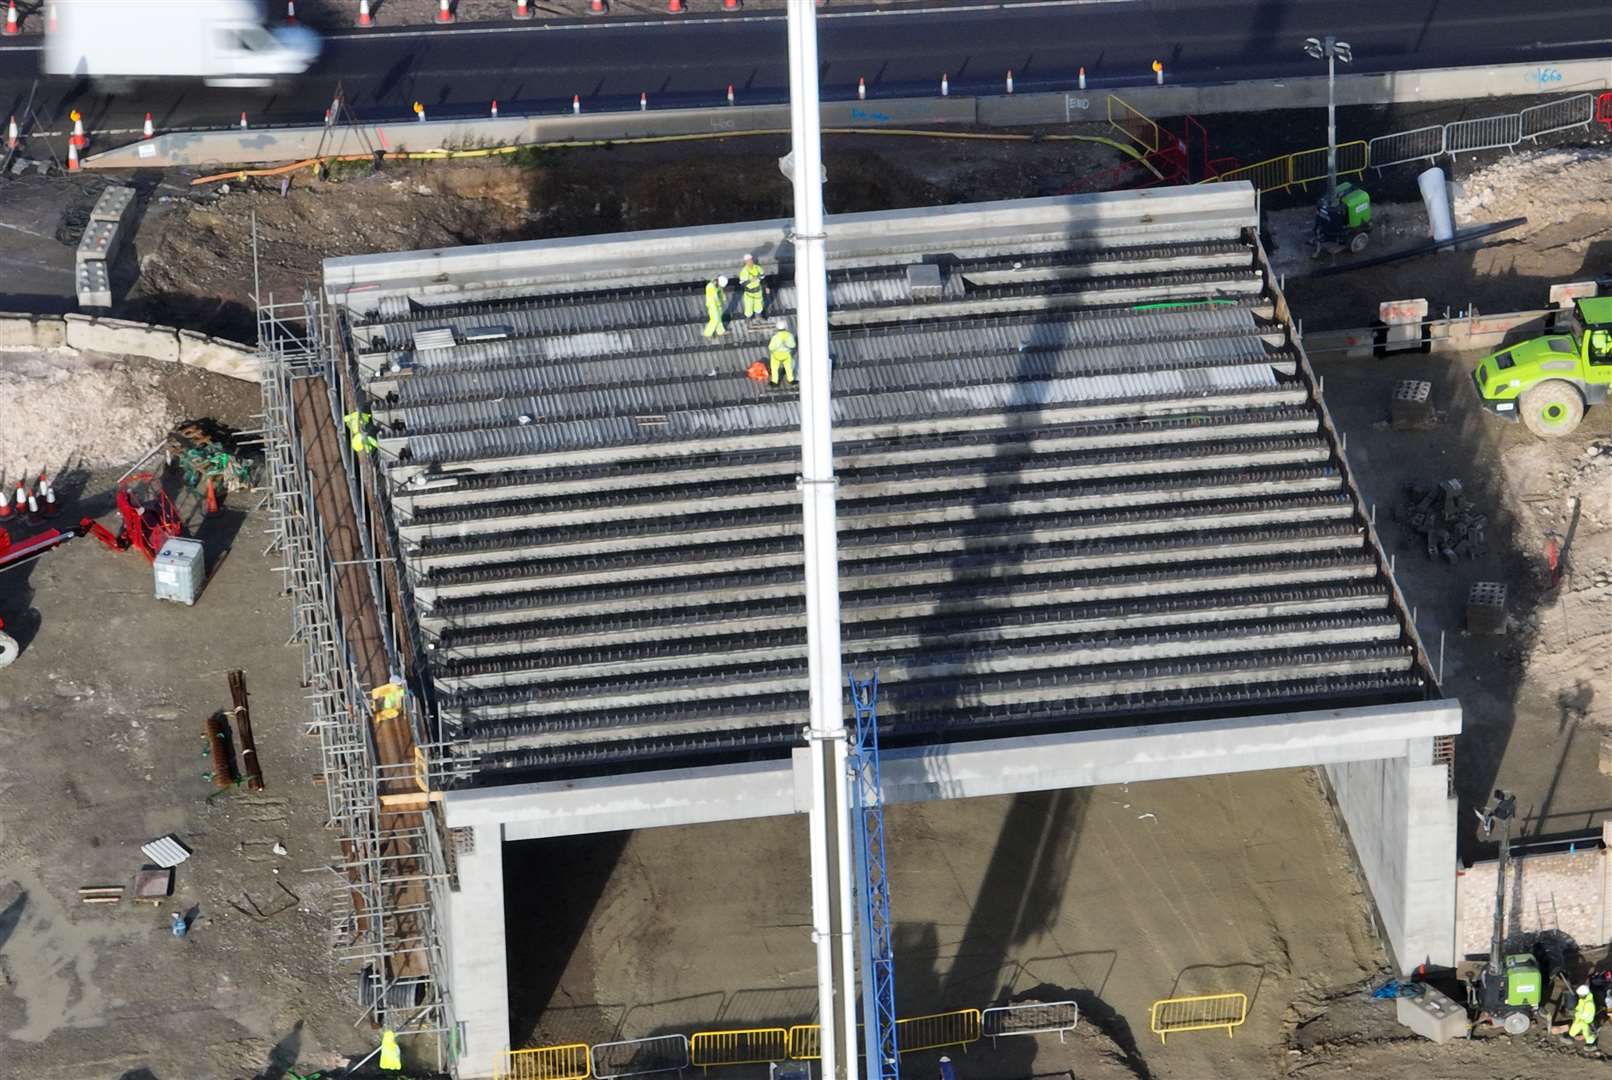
x: 831, y: 857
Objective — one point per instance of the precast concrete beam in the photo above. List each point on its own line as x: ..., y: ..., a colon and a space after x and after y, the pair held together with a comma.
x: 1049, y: 414
x: 1135, y: 619
x: 1095, y: 297
x: 1025, y: 503
x: 959, y: 770
x: 667, y: 256
x: 446, y: 490
x: 1153, y: 649
x: 1100, y: 557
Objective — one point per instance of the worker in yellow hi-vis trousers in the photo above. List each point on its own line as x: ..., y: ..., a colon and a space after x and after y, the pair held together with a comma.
x: 391, y: 1056
x: 781, y: 351
x: 358, y: 432
x: 1583, y: 1026
x: 716, y: 302
x: 750, y: 284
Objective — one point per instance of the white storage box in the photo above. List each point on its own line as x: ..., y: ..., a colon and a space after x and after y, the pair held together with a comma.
x: 181, y: 570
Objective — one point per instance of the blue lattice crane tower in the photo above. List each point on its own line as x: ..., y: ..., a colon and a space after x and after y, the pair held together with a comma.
x: 883, y: 1053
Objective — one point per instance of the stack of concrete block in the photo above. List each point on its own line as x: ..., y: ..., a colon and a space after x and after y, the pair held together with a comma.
x: 1486, y: 607
x: 1432, y: 1015
x: 1411, y: 406
x: 98, y: 248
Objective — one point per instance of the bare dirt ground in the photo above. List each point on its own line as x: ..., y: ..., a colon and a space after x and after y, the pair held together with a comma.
x: 1111, y: 897
x: 101, y: 720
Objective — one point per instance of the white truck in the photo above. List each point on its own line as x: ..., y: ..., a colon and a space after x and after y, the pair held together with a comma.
x: 221, y: 42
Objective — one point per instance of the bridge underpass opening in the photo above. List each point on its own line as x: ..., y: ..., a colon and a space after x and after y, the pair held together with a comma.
x: 1110, y: 896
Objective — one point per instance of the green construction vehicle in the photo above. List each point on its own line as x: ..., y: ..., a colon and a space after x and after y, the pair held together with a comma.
x: 1342, y: 221
x: 1547, y: 381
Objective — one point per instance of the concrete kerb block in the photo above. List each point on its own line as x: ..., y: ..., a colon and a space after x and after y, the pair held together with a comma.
x: 31, y: 332
x: 220, y: 357
x: 118, y: 337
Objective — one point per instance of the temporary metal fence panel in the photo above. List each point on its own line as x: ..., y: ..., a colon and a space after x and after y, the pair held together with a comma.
x: 1266, y: 176
x: 1205, y: 1011
x: 1031, y: 1018
x: 568, y: 1062
x: 1310, y: 166
x: 805, y: 1042
x: 957, y: 1028
x: 1125, y: 119
x: 1483, y: 133
x: 1418, y: 144
x: 1562, y: 115
x: 749, y: 1046
x: 638, y: 1057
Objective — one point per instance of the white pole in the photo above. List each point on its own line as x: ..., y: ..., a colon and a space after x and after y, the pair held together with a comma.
x: 849, y: 976
x: 827, y: 692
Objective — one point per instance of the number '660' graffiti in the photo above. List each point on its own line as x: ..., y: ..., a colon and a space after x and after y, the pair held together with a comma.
x: 1545, y: 76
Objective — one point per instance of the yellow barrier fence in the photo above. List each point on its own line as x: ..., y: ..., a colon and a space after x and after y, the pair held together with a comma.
x: 957, y: 1028
x: 1170, y: 1015
x: 1309, y: 166
x: 1298, y: 170
x: 805, y: 1042
x: 748, y: 1046
x: 568, y: 1062
x: 1129, y: 122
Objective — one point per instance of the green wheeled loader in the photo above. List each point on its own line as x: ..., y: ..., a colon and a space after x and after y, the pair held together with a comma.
x: 1548, y: 381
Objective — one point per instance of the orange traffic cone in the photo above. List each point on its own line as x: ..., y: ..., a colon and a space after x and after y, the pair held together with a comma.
x: 576, y: 103
x: 521, y: 10
x: 78, y: 139
x: 5, y: 503
x: 730, y: 5
x: 72, y: 158
x: 212, y: 498
x: 598, y: 7
x: 444, y: 11
x: 33, y: 510
x: 291, y: 12
x: 50, y: 20
x: 48, y: 507
x: 674, y: 7
x: 148, y: 131
x: 364, y: 18
x: 13, y: 28
x: 495, y: 108
x: 22, y: 496
x: 12, y: 136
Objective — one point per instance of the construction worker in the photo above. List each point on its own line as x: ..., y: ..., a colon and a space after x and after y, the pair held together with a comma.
x: 781, y: 351
x: 716, y: 302
x: 750, y: 277
x: 359, y: 425
x: 1583, y: 1017
x: 391, y: 1056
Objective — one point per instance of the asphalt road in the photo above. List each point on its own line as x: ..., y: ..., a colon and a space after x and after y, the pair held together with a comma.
x: 691, y: 60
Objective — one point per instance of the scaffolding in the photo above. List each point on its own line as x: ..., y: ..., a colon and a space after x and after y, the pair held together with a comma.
x: 396, y: 864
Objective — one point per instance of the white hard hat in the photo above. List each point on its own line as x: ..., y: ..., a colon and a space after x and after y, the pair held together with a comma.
x: 783, y: 324
x: 722, y: 281
x: 1584, y: 991
x: 749, y: 258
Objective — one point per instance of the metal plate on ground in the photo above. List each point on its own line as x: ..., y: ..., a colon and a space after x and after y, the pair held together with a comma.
x: 166, y: 851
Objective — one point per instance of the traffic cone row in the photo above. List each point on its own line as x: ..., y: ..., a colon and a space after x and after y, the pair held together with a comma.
x: 13, y: 24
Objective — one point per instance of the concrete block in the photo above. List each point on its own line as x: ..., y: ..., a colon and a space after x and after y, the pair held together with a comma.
x: 28, y: 332
x: 1432, y: 1016
x: 1411, y: 407
x: 220, y: 357
x: 116, y: 337
x: 1486, y: 607
x: 94, y: 284
x: 101, y: 240
x: 114, y: 205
